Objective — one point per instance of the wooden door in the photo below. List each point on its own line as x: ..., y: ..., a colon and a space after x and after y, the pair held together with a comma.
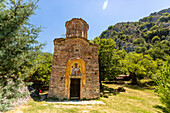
x: 75, y: 89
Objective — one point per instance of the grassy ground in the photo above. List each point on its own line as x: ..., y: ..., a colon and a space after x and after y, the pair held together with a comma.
x: 134, y: 100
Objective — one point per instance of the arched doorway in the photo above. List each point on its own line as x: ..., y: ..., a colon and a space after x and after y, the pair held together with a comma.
x: 75, y: 78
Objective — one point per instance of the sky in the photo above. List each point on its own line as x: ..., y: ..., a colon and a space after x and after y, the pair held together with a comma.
x: 99, y: 14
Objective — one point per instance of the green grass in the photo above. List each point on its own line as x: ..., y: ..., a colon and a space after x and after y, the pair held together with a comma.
x: 135, y: 99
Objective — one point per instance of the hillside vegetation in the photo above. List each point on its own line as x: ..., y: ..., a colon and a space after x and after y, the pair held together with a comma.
x: 143, y: 35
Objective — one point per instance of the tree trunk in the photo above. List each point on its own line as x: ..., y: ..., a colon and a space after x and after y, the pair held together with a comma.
x: 100, y: 78
x: 134, y: 79
x: 100, y: 81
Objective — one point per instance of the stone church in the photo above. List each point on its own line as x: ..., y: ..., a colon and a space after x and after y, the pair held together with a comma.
x: 75, y: 68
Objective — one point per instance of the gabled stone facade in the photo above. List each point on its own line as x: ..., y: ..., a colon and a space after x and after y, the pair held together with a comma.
x: 75, y: 68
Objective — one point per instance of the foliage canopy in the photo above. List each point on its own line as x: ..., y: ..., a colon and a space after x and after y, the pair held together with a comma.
x: 18, y: 49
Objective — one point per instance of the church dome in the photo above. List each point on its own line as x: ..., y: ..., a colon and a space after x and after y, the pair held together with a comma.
x: 76, y: 27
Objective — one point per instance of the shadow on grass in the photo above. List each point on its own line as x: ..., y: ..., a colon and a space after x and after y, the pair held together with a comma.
x: 142, y: 86
x: 106, y: 91
x: 114, y: 82
x: 162, y: 108
x: 38, y: 97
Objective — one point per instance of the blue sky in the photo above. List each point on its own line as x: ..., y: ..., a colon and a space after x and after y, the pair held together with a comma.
x: 99, y: 14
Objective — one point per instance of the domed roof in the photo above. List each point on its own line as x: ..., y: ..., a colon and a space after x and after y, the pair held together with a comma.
x: 76, y: 27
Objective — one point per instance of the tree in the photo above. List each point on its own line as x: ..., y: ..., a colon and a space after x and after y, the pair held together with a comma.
x: 106, y: 51
x: 109, y: 58
x: 110, y: 27
x: 138, y: 65
x: 155, y: 38
x: 163, y: 88
x: 113, y: 33
x: 160, y: 50
x: 155, y: 27
x: 141, y: 49
x: 18, y: 47
x: 40, y: 76
x: 139, y: 41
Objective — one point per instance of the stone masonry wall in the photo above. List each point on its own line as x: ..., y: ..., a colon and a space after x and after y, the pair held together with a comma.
x: 65, y: 49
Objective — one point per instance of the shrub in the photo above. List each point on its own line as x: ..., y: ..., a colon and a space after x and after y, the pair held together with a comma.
x: 163, y: 88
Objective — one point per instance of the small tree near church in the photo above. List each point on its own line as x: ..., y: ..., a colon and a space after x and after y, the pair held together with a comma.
x: 138, y: 65
x: 18, y: 47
